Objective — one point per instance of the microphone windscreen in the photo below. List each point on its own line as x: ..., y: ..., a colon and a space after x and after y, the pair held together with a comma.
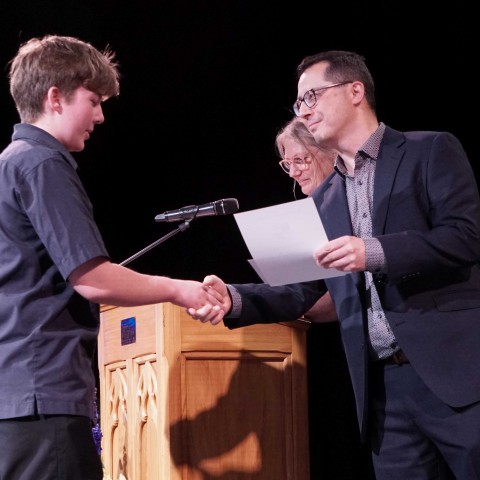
x: 228, y: 206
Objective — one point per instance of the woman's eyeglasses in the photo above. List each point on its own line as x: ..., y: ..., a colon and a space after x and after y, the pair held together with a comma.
x: 297, y: 163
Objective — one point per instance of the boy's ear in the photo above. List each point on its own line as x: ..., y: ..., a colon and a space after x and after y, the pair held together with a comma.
x: 53, y: 101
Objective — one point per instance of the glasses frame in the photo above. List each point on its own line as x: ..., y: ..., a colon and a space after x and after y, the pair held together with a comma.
x: 297, y: 105
x: 302, y: 165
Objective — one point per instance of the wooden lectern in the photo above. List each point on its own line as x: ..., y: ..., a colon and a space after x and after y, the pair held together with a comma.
x: 184, y: 400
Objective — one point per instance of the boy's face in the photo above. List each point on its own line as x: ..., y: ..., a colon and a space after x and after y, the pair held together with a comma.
x: 79, y: 115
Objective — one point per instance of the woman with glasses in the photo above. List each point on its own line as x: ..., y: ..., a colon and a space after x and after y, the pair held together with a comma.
x: 301, y: 156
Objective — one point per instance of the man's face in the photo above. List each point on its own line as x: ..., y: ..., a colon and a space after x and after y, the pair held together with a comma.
x: 331, y: 108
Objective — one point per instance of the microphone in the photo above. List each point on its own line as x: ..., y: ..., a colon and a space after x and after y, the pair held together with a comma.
x: 220, y: 207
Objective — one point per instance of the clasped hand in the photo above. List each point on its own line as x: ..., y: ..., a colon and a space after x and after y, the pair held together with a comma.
x: 213, y: 313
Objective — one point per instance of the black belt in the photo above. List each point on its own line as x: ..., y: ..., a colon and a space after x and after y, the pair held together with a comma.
x: 398, y: 358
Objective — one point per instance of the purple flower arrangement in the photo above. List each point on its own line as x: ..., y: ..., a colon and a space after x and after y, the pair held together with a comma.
x: 96, y: 430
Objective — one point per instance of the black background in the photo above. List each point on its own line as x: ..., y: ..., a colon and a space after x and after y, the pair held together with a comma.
x: 206, y: 85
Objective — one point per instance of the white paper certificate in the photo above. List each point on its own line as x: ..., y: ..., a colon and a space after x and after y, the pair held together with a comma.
x: 282, y: 239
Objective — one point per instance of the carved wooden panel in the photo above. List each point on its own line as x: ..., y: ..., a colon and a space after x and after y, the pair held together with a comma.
x: 114, y: 420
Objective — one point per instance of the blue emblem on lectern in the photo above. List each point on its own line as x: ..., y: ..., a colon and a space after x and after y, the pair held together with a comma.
x: 128, y: 331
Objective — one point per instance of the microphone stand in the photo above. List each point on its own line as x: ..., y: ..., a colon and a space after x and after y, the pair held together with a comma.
x: 181, y: 228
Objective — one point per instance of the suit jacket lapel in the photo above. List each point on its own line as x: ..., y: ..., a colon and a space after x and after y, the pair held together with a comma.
x: 331, y: 202
x: 389, y: 157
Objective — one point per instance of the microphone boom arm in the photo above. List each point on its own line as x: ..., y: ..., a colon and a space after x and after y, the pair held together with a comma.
x: 181, y: 228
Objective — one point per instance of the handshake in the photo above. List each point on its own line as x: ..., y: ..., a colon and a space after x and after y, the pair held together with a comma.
x: 220, y: 304
x: 346, y: 254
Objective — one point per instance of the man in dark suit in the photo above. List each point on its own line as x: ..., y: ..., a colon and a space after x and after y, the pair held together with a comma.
x: 402, y: 213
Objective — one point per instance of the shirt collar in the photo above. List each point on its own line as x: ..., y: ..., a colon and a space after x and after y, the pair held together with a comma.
x: 370, y: 149
x: 31, y: 132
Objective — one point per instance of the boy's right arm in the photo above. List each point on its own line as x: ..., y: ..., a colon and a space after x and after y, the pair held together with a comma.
x: 101, y: 281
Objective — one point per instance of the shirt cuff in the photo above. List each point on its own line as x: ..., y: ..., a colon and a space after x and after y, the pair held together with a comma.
x: 236, y: 298
x: 374, y: 256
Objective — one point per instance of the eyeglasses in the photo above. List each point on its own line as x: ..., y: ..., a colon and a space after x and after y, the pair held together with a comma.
x: 297, y: 163
x: 310, y: 97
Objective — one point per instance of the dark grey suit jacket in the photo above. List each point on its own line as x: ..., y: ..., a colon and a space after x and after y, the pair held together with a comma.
x: 426, y: 214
